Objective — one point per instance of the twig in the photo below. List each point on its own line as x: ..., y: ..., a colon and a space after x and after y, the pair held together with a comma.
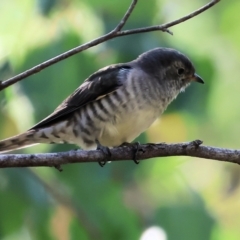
x: 126, y: 16
x: 164, y: 27
x: 146, y: 151
x: 113, y: 34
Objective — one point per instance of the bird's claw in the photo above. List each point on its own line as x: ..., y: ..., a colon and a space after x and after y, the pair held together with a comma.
x: 135, y: 151
x: 106, y: 151
x: 135, y: 148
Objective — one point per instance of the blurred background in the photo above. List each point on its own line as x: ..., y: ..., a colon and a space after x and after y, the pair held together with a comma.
x: 175, y: 198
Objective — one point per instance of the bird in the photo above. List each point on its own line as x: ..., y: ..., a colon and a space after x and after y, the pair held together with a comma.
x: 114, y: 105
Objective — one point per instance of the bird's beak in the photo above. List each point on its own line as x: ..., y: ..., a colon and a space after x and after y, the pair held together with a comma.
x: 197, y: 78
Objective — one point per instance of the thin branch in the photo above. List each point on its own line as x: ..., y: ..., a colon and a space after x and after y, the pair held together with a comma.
x: 126, y: 16
x: 164, y: 27
x: 113, y: 34
x: 146, y: 151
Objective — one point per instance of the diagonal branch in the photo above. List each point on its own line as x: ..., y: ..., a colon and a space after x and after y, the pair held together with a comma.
x: 164, y: 27
x: 126, y: 16
x: 65, y: 200
x: 146, y: 151
x: 113, y: 34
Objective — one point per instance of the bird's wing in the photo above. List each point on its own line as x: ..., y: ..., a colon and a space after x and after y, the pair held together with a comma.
x: 99, y: 84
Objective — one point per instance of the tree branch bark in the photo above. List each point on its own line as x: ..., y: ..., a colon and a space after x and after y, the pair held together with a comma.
x: 113, y: 34
x: 146, y: 151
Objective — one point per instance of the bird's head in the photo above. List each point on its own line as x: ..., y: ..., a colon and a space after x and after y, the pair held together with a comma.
x: 170, y: 67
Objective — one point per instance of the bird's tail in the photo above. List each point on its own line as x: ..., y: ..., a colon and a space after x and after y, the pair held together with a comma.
x: 17, y: 142
x: 54, y: 134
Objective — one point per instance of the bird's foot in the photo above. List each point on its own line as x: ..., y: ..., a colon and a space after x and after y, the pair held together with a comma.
x: 59, y: 168
x: 135, y: 149
x: 105, y: 151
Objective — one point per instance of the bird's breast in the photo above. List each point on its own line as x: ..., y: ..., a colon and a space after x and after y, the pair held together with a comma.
x: 127, y: 126
x: 119, y: 116
x: 136, y: 108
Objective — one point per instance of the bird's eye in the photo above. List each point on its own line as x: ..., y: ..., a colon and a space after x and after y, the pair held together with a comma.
x: 181, y: 71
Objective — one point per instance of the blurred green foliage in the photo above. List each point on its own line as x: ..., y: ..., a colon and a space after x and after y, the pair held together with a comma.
x: 189, y: 199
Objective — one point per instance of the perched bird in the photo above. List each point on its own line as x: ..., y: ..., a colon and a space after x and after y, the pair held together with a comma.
x: 115, y: 104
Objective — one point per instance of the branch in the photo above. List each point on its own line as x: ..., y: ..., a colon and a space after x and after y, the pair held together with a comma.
x: 126, y: 16
x: 113, y: 34
x: 146, y: 151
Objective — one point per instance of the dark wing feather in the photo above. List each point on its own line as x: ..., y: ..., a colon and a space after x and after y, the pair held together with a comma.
x: 100, y: 83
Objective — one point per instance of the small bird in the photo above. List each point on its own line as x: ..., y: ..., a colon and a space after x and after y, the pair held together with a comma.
x: 115, y: 104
